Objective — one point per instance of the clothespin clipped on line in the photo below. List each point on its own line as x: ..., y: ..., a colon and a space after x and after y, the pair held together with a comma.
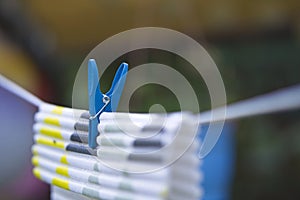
x: 99, y: 102
x: 277, y: 101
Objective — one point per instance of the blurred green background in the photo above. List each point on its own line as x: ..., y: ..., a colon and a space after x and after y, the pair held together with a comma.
x: 255, y: 44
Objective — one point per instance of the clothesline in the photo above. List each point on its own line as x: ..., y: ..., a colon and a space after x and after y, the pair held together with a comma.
x: 281, y: 100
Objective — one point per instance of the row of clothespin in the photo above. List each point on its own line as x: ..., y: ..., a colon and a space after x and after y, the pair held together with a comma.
x: 161, y: 164
x: 155, y: 161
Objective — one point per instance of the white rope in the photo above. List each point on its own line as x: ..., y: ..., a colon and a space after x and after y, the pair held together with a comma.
x: 280, y: 100
x: 277, y: 101
x: 19, y: 91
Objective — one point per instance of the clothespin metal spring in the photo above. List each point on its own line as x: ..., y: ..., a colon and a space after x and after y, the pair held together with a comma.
x: 106, y: 101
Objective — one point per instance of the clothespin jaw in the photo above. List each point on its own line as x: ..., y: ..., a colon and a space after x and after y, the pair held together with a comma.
x: 99, y: 102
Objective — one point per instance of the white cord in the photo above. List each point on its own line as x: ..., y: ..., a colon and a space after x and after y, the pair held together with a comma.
x: 19, y: 91
x: 280, y: 100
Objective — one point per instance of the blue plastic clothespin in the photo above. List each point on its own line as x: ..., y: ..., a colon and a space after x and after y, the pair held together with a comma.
x: 99, y: 102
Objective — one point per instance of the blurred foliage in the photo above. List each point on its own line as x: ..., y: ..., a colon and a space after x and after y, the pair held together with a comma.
x: 268, y: 156
x: 151, y: 94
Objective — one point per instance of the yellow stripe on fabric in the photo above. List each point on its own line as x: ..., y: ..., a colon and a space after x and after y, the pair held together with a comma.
x: 37, y: 173
x: 164, y: 193
x: 52, y: 143
x: 58, y: 110
x: 62, y: 171
x: 61, y: 183
x: 35, y: 161
x: 64, y: 160
x: 35, y: 152
x: 52, y: 121
x: 51, y: 132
